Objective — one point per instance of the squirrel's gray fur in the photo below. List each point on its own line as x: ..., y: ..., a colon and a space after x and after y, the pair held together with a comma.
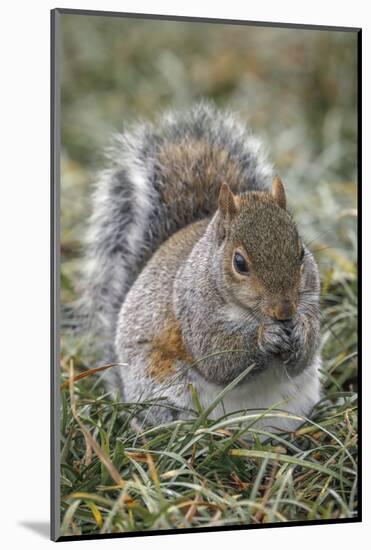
x: 129, y: 221
x: 155, y: 291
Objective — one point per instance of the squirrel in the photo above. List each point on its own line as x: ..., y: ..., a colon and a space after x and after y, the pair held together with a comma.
x: 196, y: 271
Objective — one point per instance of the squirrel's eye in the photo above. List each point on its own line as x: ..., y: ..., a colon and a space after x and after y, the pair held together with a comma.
x: 302, y: 254
x: 240, y: 264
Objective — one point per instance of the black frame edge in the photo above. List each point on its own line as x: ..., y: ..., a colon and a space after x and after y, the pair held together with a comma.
x: 194, y: 19
x: 54, y: 276
x: 359, y: 257
x: 68, y: 538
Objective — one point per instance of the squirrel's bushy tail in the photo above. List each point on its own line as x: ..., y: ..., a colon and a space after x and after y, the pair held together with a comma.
x: 161, y: 177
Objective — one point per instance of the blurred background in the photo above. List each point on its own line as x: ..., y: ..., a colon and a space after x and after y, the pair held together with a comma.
x: 297, y: 89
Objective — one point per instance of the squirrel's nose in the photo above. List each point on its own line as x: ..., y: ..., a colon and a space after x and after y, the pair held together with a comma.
x: 282, y: 311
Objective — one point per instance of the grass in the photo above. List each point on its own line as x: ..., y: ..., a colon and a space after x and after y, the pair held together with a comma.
x: 202, y: 472
x: 297, y: 91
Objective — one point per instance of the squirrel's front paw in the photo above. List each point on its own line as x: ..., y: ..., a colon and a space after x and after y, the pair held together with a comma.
x: 299, y: 341
x: 276, y: 339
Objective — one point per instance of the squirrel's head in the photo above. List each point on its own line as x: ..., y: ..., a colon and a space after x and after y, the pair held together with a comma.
x: 262, y: 255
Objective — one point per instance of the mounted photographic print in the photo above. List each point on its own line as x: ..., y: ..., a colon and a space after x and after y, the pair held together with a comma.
x: 204, y: 282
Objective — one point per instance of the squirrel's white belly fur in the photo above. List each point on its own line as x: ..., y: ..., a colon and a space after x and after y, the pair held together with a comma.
x: 291, y: 396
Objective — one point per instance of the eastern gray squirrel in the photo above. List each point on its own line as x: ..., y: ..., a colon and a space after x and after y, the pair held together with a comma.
x: 195, y: 270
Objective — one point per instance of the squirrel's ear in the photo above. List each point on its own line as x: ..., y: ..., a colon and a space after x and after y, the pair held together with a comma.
x: 278, y: 192
x: 228, y: 208
x: 228, y: 204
